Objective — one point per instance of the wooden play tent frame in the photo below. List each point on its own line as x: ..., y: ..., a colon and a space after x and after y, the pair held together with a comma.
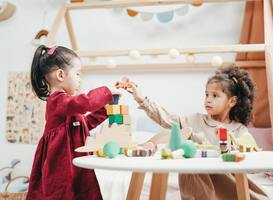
x: 266, y: 47
x: 159, y: 181
x: 64, y: 13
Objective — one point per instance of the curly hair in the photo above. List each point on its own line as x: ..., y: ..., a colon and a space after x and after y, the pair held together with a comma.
x: 237, y: 82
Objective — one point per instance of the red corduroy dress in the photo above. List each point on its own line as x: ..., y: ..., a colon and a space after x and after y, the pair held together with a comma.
x: 53, y: 176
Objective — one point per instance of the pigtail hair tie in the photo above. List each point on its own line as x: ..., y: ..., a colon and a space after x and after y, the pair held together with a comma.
x: 52, y: 50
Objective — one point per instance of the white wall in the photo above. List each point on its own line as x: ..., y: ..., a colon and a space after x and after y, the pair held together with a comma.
x: 180, y: 92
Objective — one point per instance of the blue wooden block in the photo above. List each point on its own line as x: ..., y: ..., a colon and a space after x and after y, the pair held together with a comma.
x: 115, y: 99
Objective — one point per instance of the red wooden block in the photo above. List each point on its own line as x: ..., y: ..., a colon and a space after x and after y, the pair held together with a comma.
x: 222, y: 134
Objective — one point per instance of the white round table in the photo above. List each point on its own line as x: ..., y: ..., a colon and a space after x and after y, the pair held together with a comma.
x: 254, y: 162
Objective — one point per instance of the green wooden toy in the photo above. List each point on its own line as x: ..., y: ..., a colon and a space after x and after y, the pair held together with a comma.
x: 175, y: 139
x: 111, y: 149
x: 115, y: 119
x: 189, y: 148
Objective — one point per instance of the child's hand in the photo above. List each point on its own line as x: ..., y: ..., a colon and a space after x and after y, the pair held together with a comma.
x: 126, y: 84
x: 130, y: 87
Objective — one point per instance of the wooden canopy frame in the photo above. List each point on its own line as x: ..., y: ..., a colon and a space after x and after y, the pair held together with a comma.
x: 266, y: 47
x: 64, y: 13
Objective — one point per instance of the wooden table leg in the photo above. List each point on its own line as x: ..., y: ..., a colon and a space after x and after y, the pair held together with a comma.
x: 135, y: 186
x: 242, y: 186
x: 159, y: 186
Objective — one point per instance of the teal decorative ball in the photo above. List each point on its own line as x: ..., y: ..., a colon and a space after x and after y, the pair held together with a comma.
x: 111, y: 149
x: 189, y: 148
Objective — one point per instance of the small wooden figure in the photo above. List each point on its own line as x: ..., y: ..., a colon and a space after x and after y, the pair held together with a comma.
x: 222, y: 132
x: 233, y: 157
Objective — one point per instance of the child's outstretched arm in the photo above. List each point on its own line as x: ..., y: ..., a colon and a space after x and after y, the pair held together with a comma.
x: 153, y: 110
x: 94, y: 119
x: 94, y: 100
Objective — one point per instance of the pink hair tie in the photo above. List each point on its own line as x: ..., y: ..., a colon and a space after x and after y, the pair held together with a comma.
x: 52, y: 50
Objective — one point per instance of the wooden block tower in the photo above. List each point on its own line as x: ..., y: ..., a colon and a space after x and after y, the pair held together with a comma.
x: 118, y: 113
x: 118, y: 130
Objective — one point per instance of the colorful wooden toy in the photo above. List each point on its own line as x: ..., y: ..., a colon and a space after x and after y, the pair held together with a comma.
x: 139, y: 152
x: 112, y: 109
x: 223, y: 137
x: 177, y: 154
x: 224, y: 147
x: 100, y: 153
x: 207, y: 153
x: 118, y: 119
x: 111, y: 149
x: 118, y: 130
x: 166, y: 153
x: 148, y: 149
x: 245, y: 142
x: 222, y: 132
x: 120, y: 134
x: 175, y: 139
x: 115, y: 99
x: 124, y: 109
x: 189, y: 148
x: 233, y: 157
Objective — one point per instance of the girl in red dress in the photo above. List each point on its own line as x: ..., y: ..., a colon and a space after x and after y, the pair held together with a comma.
x: 55, y: 76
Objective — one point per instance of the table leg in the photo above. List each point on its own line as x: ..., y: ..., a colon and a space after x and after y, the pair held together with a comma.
x: 135, y: 186
x: 159, y: 186
x: 242, y: 186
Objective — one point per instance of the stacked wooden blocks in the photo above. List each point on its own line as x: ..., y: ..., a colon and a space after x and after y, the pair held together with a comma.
x: 117, y: 113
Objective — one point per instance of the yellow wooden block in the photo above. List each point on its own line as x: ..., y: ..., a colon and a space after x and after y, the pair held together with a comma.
x: 100, y: 153
x: 124, y: 109
x: 112, y: 109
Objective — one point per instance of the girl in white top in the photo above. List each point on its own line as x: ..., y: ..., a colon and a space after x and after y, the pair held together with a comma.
x: 228, y: 102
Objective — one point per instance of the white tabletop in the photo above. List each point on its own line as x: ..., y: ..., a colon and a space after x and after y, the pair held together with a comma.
x: 254, y: 162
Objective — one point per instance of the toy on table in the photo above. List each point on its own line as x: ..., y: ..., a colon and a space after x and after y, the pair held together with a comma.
x: 175, y: 138
x: 118, y: 131
x: 207, y: 151
x: 178, y: 148
x: 118, y: 113
x: 233, y: 157
x: 245, y: 142
x: 223, y: 136
x: 138, y: 152
x: 147, y: 149
x: 111, y: 149
x: 166, y: 153
x: 189, y: 148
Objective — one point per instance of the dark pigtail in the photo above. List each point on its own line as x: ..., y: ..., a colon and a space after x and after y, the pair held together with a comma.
x: 38, y: 81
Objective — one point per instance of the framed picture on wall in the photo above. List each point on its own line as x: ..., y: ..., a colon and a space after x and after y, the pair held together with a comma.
x: 25, y: 112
